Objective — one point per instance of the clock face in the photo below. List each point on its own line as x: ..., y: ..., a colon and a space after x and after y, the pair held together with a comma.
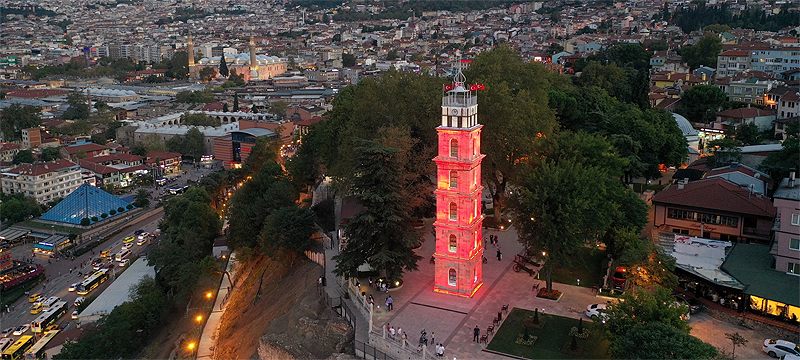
x: 454, y: 112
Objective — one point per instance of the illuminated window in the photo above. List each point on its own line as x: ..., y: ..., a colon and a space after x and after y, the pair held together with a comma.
x: 474, y: 147
x: 453, y: 243
x: 453, y: 179
x: 454, y: 148
x: 451, y: 277
x: 453, y: 211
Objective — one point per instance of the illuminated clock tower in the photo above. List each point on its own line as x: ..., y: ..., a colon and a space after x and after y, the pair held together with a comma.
x: 459, y: 248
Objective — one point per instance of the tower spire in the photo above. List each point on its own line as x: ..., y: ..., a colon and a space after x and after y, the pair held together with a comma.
x: 190, y: 51
x: 253, y: 60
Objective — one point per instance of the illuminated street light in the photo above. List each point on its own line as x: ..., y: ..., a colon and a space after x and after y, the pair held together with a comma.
x: 209, y: 295
x: 191, y: 346
x: 199, y: 318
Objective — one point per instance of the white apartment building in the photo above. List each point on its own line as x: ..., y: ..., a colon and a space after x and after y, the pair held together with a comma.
x: 44, y: 182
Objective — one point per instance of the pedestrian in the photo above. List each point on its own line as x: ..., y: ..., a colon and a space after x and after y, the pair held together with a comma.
x: 323, y: 280
x: 440, y: 350
x: 392, y: 332
x: 405, y: 338
x: 390, y: 303
x: 370, y: 299
x: 319, y: 282
x: 499, y: 255
x: 476, y: 333
x: 70, y: 270
x: 433, y: 338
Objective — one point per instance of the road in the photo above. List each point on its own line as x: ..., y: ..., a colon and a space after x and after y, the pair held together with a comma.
x: 59, y: 277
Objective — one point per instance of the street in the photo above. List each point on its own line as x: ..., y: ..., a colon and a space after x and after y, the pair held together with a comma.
x: 59, y: 277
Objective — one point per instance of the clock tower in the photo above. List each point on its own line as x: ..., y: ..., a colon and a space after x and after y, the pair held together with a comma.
x: 459, y: 248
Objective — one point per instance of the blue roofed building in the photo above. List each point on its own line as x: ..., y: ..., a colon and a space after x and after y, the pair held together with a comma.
x: 85, y: 202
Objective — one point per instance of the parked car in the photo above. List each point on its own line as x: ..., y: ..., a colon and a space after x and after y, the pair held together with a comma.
x: 21, y: 329
x: 141, y: 242
x: 7, y: 332
x: 597, y: 312
x: 619, y: 278
x: 123, y: 262
x: 72, y: 287
x: 74, y: 315
x: 693, y: 304
x: 779, y: 348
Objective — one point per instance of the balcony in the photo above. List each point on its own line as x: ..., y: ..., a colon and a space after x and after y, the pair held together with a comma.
x: 755, y: 232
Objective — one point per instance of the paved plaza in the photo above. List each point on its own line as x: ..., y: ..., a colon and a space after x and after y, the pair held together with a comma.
x: 451, y: 319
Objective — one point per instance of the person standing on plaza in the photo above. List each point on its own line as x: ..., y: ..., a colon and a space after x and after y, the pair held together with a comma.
x: 389, y: 303
x: 476, y: 333
x: 499, y: 255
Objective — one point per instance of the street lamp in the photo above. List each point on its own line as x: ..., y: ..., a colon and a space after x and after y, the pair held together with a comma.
x: 191, y: 346
x: 199, y: 318
x: 209, y: 295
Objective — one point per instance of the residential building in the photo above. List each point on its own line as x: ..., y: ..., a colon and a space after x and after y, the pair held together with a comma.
x: 786, y: 244
x: 44, y: 181
x: 748, y: 87
x: 233, y: 149
x: 8, y: 151
x: 31, y: 138
x: 732, y: 62
x: 733, y: 118
x: 714, y: 208
x: 115, y: 170
x: 168, y: 162
x: 85, y: 150
x: 742, y: 175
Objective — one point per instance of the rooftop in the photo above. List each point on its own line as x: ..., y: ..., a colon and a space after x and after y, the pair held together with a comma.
x: 750, y: 264
x: 41, y: 168
x: 717, y: 194
x: 118, y: 292
x: 86, y: 201
x: 784, y: 191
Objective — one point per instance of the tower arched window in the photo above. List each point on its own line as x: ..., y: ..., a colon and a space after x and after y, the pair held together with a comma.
x: 453, y: 179
x: 474, y: 147
x: 454, y: 148
x: 453, y: 243
x: 453, y: 211
x: 451, y: 277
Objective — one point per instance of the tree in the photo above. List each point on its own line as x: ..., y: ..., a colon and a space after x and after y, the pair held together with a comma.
x: 142, y: 199
x: 381, y: 235
x: 235, y: 102
x: 78, y: 107
x: 616, y: 81
x: 717, y: 28
x: 279, y: 107
x: 779, y: 164
x: 225, y: 107
x: 556, y: 207
x: 736, y: 340
x: 724, y: 151
x: 288, y: 228
x: 194, y: 97
x: 17, y: 117
x: 748, y: 134
x: 701, y: 103
x: 223, y: 66
x: 178, y: 66
x: 207, y: 73
x: 391, y: 54
x: 194, y: 143
x: 703, y: 53
x: 656, y: 340
x: 348, y: 60
x: 139, y: 149
x: 515, y: 113
x: 199, y: 119
x: 23, y: 156
x: 17, y: 207
x: 646, y: 305
x: 253, y: 109
x: 50, y: 154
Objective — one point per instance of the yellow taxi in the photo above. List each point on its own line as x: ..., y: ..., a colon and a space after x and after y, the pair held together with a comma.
x: 129, y: 239
x: 105, y: 253
x: 32, y: 298
x: 37, y: 307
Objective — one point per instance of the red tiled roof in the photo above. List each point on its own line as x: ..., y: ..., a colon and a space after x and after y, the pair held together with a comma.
x: 41, y: 168
x: 717, y: 194
x: 103, y: 169
x: 112, y: 157
x: 161, y: 155
x: 745, y: 113
x: 84, y: 148
x: 8, y: 146
x: 735, y: 52
x: 735, y: 168
x: 35, y: 93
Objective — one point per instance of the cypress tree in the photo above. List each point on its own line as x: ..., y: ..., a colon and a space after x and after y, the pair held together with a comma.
x: 253, y: 109
x: 225, y: 107
x: 223, y: 66
x: 236, y: 102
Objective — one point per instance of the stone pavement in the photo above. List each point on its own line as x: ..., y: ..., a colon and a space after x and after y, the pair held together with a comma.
x: 208, y: 338
x: 451, y: 319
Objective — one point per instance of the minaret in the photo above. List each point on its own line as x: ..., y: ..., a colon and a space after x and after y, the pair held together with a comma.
x: 253, y: 61
x: 190, y: 55
x: 459, y: 248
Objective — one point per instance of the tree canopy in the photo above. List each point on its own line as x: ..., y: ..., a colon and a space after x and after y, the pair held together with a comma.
x: 703, y: 53
x: 660, y: 341
x: 78, y: 107
x: 17, y: 117
x: 17, y: 207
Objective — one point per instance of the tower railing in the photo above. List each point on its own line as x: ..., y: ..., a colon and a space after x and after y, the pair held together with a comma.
x: 460, y: 99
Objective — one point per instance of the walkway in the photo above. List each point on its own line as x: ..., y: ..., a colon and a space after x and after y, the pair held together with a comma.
x: 335, y: 291
x: 208, y: 340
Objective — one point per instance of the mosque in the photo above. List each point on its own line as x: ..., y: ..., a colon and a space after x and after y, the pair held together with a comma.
x: 250, y: 65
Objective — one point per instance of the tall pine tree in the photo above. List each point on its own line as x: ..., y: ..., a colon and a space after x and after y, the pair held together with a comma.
x: 236, y: 102
x: 223, y: 66
x: 381, y: 235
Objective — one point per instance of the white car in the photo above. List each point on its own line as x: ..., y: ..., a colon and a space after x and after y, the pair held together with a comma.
x: 597, y: 312
x: 141, y: 242
x: 75, y: 315
x: 127, y: 246
x: 21, y: 329
x: 776, y: 348
x: 72, y: 287
x: 79, y: 301
x: 123, y: 262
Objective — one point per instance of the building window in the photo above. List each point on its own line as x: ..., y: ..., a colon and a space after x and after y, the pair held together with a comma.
x: 453, y: 243
x: 796, y: 219
x: 453, y: 211
x: 453, y: 179
x: 705, y: 218
x: 454, y: 148
x: 794, y: 244
x: 451, y: 277
x: 793, y: 268
x: 474, y: 147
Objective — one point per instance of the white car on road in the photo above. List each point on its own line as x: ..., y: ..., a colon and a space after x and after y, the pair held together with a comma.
x: 597, y: 312
x: 777, y: 348
x: 21, y: 329
x: 127, y: 246
x: 72, y: 287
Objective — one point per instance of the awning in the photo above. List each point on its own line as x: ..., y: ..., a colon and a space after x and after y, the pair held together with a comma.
x: 13, y: 234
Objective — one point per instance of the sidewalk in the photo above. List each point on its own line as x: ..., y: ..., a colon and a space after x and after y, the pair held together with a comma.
x: 334, y: 290
x: 208, y: 340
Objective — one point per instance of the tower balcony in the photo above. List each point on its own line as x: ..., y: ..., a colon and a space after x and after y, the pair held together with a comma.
x: 459, y: 98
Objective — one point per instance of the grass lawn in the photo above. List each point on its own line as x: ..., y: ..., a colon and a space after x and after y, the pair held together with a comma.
x: 552, y: 341
x: 589, y: 265
x: 10, y: 296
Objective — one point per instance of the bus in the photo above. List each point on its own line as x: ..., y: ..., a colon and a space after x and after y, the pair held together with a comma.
x: 123, y: 254
x: 37, y: 351
x: 92, y: 282
x: 48, y: 317
x: 18, y: 348
x: 50, y: 302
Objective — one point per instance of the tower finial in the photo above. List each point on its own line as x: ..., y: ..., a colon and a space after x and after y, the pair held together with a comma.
x: 459, y: 79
